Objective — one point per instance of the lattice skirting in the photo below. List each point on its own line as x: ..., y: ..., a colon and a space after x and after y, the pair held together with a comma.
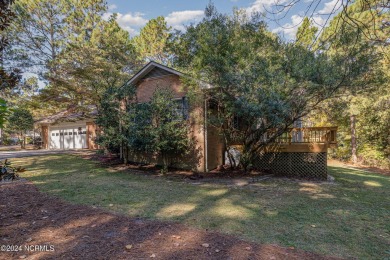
x: 303, y: 165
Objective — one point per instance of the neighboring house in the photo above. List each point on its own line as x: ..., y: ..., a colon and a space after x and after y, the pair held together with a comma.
x: 69, y: 129
x: 302, y: 151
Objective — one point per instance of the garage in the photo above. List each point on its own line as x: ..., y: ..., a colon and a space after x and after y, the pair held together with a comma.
x: 69, y: 129
x: 68, y: 137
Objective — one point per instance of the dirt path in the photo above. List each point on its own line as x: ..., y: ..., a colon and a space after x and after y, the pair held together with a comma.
x: 29, y: 219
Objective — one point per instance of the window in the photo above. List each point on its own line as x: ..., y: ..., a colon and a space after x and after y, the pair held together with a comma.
x: 52, y: 134
x: 61, y: 133
x: 57, y: 134
x: 182, y: 108
x: 66, y: 133
x: 70, y: 133
x: 74, y: 133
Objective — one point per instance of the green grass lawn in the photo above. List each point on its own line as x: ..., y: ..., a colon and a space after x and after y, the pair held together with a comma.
x: 349, y: 218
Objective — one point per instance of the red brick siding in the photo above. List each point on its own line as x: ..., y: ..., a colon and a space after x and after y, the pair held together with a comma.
x: 146, y: 88
x: 195, y: 160
x: 91, y: 135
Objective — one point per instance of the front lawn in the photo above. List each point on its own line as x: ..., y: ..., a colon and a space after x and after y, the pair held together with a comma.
x: 348, y: 218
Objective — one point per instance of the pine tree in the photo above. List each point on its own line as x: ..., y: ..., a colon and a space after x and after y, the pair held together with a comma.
x: 362, y: 113
x: 306, y: 33
x: 151, y: 44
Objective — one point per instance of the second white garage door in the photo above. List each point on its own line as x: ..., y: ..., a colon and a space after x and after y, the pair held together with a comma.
x: 68, y: 137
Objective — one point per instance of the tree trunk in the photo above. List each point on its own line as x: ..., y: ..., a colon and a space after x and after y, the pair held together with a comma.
x: 125, y: 154
x: 353, y: 139
x: 22, y: 144
x: 165, y: 163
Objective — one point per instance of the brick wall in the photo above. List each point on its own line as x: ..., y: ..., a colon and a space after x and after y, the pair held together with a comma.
x: 195, y: 158
x: 91, y: 136
x: 146, y: 87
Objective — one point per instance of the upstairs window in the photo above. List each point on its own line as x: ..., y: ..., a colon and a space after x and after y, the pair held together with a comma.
x: 181, y: 108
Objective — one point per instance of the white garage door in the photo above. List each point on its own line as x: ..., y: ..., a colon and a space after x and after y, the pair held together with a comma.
x: 68, y: 137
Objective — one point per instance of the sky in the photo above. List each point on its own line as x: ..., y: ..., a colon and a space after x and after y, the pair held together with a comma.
x: 133, y: 15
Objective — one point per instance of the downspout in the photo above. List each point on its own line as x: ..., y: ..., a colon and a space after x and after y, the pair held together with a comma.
x: 205, y: 137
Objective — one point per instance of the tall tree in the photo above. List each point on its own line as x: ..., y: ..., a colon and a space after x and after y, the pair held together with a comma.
x: 152, y: 42
x: 21, y: 121
x: 89, y: 66
x: 306, y: 33
x: 72, y: 48
x: 363, y: 119
x: 266, y: 84
x: 39, y: 34
x: 8, y: 77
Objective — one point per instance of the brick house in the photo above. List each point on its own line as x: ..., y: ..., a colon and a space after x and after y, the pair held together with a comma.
x: 75, y: 130
x: 300, y: 152
x: 208, y: 149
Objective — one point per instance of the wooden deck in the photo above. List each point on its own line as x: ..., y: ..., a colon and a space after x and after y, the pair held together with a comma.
x: 313, y: 139
x: 305, y: 139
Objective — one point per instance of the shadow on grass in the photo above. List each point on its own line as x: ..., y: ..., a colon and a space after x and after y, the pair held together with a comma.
x: 345, y: 219
x: 78, y: 232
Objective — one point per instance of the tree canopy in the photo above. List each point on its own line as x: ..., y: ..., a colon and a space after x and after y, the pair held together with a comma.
x: 266, y: 83
x: 152, y: 42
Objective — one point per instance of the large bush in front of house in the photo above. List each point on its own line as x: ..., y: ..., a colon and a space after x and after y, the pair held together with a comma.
x: 159, y: 127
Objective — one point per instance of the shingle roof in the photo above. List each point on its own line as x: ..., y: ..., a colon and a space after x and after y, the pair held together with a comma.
x: 70, y: 115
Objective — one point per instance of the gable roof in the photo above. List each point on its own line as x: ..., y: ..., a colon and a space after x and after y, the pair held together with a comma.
x: 148, y: 68
x: 152, y: 65
x: 69, y: 115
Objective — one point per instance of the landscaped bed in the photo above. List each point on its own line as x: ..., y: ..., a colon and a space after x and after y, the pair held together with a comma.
x: 346, y: 218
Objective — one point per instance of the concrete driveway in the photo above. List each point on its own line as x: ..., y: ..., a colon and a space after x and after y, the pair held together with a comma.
x: 28, y: 153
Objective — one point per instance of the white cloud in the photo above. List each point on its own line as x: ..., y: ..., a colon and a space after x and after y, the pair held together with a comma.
x: 131, y: 19
x: 177, y: 19
x: 262, y: 5
x: 112, y: 7
x: 133, y: 22
x: 130, y: 22
x: 289, y: 30
x: 331, y: 7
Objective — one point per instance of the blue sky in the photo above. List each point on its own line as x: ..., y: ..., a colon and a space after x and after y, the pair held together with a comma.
x: 133, y: 15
